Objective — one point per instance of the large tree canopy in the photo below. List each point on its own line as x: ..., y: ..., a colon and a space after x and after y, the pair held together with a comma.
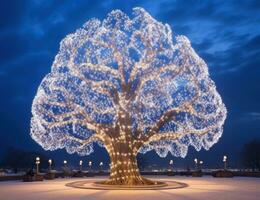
x: 127, y: 77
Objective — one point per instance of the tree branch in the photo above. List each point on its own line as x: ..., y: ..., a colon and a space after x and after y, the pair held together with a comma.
x: 76, y: 109
x: 178, y: 135
x: 172, y: 136
x: 148, y: 53
x: 88, y: 141
x: 167, y: 116
x: 152, y: 75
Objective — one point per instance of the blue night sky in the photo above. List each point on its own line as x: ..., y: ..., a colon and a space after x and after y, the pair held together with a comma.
x: 226, y: 34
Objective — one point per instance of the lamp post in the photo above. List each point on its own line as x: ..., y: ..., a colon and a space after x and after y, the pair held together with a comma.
x: 80, y: 165
x: 196, y: 163
x: 171, y: 165
x: 101, y: 165
x: 37, y: 162
x: 225, y: 162
x: 201, y: 163
x: 90, y: 165
x: 50, y: 163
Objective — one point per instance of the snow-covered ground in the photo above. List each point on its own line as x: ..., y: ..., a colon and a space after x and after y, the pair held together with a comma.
x: 207, y: 188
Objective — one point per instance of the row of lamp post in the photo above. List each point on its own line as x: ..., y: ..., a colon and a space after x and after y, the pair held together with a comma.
x: 37, y: 162
x: 199, y: 163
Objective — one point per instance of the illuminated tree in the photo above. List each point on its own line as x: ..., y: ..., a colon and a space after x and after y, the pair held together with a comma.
x: 126, y: 84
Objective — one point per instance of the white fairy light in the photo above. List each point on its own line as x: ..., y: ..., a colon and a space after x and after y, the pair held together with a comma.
x: 127, y: 81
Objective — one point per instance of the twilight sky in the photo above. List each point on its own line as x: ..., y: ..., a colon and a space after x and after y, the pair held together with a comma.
x: 226, y: 34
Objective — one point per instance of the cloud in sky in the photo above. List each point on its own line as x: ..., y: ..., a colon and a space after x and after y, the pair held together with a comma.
x: 226, y: 34
x: 251, y: 116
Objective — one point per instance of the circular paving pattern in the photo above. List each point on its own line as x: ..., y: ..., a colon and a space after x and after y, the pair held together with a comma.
x: 88, y: 184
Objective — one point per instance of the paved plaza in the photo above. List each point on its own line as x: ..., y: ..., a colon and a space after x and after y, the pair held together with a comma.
x: 207, y: 188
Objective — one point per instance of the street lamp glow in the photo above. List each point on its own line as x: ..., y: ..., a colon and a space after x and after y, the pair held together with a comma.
x: 65, y: 162
x: 201, y: 162
x: 196, y: 160
x: 224, y: 158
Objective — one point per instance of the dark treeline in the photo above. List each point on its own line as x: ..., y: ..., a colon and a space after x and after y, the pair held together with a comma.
x: 250, y: 155
x: 20, y: 159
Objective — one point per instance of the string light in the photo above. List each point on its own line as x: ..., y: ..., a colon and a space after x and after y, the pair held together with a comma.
x: 128, y: 85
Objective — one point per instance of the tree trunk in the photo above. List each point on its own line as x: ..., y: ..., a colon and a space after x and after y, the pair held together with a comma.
x: 123, y: 167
